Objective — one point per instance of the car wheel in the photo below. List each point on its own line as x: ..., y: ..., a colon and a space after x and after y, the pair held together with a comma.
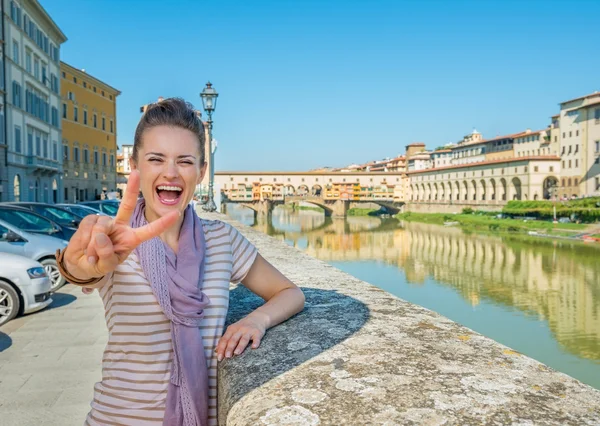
x: 9, y: 302
x: 56, y: 279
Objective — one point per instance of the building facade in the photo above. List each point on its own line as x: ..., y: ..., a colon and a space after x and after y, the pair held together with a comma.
x: 31, y: 129
x: 89, y: 142
x: 580, y: 146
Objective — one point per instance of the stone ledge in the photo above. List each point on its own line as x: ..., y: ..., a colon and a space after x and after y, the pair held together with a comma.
x: 358, y: 355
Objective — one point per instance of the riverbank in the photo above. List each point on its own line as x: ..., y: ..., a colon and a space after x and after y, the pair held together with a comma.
x: 359, y: 355
x: 488, y: 223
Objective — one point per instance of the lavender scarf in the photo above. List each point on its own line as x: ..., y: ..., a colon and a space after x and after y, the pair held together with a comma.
x: 176, y: 281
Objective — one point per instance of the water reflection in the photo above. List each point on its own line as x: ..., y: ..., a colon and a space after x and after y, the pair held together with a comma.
x: 557, y: 283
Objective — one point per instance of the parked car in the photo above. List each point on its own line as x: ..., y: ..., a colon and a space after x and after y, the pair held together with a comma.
x: 80, y: 210
x: 37, y: 247
x: 34, y: 223
x: 24, y: 286
x: 64, y: 218
x: 109, y: 207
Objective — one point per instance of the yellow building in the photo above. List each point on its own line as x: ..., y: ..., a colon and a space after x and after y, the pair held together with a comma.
x: 89, y: 132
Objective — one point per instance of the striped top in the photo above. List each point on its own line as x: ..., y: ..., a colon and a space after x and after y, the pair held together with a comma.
x: 137, y: 360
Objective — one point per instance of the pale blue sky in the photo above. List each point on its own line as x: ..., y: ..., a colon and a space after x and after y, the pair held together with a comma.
x: 316, y: 83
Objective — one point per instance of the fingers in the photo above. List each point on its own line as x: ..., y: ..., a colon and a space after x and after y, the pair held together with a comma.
x: 107, y: 258
x: 81, y: 239
x: 102, y: 226
x: 130, y: 198
x: 235, y: 342
x: 157, y: 227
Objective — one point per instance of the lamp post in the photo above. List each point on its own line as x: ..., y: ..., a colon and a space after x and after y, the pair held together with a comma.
x: 209, y: 102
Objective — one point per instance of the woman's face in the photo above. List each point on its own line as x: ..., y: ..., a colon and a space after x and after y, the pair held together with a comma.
x: 170, y: 167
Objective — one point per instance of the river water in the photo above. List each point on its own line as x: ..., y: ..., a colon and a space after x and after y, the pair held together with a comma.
x: 540, y: 297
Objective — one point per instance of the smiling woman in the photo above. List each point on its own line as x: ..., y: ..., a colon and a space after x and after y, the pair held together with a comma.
x: 163, y: 275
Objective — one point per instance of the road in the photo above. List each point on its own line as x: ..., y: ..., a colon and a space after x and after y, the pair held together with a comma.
x: 50, y: 360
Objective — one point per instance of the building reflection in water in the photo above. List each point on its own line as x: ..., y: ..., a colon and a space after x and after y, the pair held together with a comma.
x: 556, y: 281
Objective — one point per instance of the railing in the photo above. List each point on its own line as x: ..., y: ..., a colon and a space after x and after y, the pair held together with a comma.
x: 42, y: 163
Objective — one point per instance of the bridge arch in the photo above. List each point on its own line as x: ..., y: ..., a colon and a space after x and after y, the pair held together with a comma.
x: 493, y: 189
x: 548, y: 186
x: 503, y: 188
x: 483, y: 190
x: 516, y: 189
x: 302, y: 190
x: 290, y: 190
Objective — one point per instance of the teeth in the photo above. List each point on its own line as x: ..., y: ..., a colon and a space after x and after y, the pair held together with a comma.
x: 169, y: 188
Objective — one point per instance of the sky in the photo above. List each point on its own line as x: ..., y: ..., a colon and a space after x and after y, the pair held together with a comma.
x: 311, y: 83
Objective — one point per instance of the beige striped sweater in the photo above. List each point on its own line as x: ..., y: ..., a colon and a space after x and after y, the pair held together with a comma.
x: 137, y: 358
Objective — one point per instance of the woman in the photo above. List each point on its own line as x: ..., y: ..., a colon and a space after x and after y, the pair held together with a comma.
x: 163, y: 275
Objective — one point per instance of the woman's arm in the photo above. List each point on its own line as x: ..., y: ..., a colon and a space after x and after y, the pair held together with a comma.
x: 283, y: 299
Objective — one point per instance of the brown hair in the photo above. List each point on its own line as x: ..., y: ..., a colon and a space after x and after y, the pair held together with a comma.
x: 174, y: 112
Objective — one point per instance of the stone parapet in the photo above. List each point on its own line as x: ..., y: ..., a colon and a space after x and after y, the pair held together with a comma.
x: 359, y: 356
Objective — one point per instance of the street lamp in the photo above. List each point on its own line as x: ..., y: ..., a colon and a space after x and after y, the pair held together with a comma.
x: 209, y: 102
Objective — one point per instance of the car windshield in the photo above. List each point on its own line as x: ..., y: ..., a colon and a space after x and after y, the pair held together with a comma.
x: 81, y: 211
x: 27, y: 221
x: 61, y: 216
x: 110, y: 208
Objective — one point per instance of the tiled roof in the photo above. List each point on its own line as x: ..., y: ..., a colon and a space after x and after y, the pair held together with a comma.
x: 591, y: 95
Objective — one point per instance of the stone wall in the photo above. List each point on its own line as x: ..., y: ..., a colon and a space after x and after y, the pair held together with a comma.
x: 448, y: 208
x: 359, y: 356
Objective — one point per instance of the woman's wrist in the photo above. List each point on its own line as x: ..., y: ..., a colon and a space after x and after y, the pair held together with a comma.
x: 64, y: 270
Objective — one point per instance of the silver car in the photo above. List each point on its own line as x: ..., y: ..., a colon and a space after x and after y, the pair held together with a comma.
x: 34, y: 246
x: 24, y: 286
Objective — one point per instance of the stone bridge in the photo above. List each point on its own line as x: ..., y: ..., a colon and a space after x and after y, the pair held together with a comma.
x: 332, y: 208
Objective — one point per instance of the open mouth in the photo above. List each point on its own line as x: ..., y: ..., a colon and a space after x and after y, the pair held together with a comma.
x: 169, y: 195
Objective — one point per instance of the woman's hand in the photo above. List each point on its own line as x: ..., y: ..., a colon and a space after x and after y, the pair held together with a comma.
x: 238, y: 335
x: 101, y: 243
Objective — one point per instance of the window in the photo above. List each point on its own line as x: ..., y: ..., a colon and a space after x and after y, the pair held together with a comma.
x: 45, y: 146
x: 64, y: 75
x: 564, y: 135
x: 71, y: 96
x: 563, y: 164
x: 44, y: 78
x: 30, y: 141
x: 569, y: 164
x: 535, y: 168
x: 86, y: 155
x: 597, y: 146
x: 103, y: 123
x: 576, y: 132
x: 563, y: 182
x: 38, y: 144
x: 75, y: 113
x: 15, y: 52
x: 597, y: 115
x: 84, y: 85
x: 110, y: 97
x: 104, y: 159
x: 17, y: 188
x: 96, y: 158
x: 555, y: 138
x: 17, y: 139
x: 575, y: 182
x: 85, y: 116
x: 75, y: 80
x: 54, y: 118
x: 111, y: 126
x: 576, y: 163
x: 551, y: 169
x: 95, y: 120
x: 64, y: 110
x: 65, y: 152
x: 36, y: 68
x: 76, y: 154
x: 103, y: 93
x: 597, y: 184
x: 570, y: 134
x: 569, y: 182
x: 17, y: 94
x: 94, y: 89
x: 28, y: 61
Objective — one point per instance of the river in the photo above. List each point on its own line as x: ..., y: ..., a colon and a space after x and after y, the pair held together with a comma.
x: 540, y: 297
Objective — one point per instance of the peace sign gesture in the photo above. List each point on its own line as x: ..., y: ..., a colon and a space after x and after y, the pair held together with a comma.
x: 102, y: 243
